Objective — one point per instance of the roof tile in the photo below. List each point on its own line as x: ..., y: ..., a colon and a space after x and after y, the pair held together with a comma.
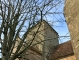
x: 62, y: 50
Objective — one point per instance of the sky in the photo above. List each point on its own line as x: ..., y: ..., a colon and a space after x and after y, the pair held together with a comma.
x: 58, y: 22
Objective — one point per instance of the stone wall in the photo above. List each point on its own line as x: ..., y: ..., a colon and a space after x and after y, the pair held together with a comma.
x: 31, y: 55
x: 72, y: 57
x: 47, y: 35
x: 71, y: 11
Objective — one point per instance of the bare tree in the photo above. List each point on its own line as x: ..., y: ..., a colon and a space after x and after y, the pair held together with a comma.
x: 17, y: 17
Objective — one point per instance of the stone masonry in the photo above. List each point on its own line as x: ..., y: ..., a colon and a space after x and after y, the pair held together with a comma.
x: 72, y: 17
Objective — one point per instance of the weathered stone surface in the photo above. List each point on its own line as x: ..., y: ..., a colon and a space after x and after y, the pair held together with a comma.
x: 72, y: 17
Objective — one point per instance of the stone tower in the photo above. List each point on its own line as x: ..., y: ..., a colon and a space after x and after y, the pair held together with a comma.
x: 44, y: 40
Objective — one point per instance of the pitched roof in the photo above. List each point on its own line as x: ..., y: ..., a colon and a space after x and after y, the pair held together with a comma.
x: 50, y: 26
x: 43, y: 22
x: 62, y: 50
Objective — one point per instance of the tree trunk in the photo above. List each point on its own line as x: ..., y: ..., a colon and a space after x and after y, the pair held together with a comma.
x: 72, y: 17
